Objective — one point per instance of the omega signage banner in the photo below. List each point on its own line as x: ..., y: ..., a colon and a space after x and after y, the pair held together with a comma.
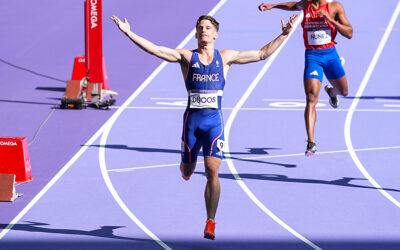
x: 95, y: 64
x: 14, y: 158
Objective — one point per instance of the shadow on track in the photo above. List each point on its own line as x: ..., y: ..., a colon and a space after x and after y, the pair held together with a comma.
x: 103, y: 232
x: 344, y: 182
x: 252, y: 151
x: 31, y: 71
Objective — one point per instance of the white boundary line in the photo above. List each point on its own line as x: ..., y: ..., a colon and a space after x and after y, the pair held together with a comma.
x: 51, y: 182
x: 89, y: 142
x: 111, y: 122
x: 119, y: 170
x: 347, y: 127
x: 268, y: 109
x: 227, y: 131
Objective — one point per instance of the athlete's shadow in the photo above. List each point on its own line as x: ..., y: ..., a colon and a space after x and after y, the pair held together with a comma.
x: 54, y: 89
x: 263, y: 162
x: 373, y: 97
x: 251, y: 151
x: 344, y: 182
x: 258, y: 151
x: 139, y: 149
x: 103, y: 232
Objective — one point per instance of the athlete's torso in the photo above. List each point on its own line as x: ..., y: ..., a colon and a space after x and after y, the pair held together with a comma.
x: 317, y: 33
x: 205, y: 83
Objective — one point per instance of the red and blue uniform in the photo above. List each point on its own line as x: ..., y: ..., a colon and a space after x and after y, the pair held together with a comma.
x: 319, y: 39
x: 203, y: 124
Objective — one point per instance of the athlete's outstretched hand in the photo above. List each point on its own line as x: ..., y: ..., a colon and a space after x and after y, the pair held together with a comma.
x: 264, y: 7
x: 286, y: 28
x: 123, y: 26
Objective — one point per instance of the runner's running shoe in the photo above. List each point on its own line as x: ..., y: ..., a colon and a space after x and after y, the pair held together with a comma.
x: 186, y: 178
x: 209, y: 230
x: 333, y: 101
x: 311, y: 148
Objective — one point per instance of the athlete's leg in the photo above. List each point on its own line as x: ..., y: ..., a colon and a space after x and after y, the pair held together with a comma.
x: 312, y: 87
x: 213, y: 189
x: 340, y: 87
x: 335, y: 73
x: 213, y: 145
x: 313, y: 76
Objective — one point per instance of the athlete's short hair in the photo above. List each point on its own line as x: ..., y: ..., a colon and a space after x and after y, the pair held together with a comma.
x: 209, y: 18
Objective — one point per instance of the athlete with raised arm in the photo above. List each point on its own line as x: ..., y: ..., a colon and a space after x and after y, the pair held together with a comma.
x: 204, y: 71
x: 322, y: 20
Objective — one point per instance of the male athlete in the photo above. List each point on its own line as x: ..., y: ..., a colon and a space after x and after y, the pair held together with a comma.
x: 322, y: 20
x: 204, y: 71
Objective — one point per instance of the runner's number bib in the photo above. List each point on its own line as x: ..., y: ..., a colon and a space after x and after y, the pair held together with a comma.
x: 319, y: 37
x: 203, y: 100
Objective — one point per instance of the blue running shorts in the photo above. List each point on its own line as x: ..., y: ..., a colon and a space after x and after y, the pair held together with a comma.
x: 202, y: 129
x: 323, y: 61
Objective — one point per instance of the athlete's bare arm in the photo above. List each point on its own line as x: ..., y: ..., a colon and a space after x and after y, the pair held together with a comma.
x: 290, y: 6
x: 165, y: 53
x: 242, y: 57
x: 339, y: 19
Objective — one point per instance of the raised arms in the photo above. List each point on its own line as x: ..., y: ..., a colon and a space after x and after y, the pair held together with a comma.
x: 165, y: 53
x: 242, y: 57
x: 337, y: 18
x: 291, y: 6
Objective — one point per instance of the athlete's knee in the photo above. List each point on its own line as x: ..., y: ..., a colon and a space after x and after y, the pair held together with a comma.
x: 211, y: 173
x: 345, y: 92
x: 211, y: 167
x: 312, y: 98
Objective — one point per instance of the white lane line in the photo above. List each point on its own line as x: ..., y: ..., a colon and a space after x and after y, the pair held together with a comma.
x: 109, y: 125
x: 87, y: 145
x: 255, y: 158
x: 146, y: 167
x: 169, y: 98
x: 51, y: 183
x: 290, y: 100
x: 267, y: 109
x: 392, y: 105
x: 347, y: 127
x: 386, y: 100
x: 227, y: 131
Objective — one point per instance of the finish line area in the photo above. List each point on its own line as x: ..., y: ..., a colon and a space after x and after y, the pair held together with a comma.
x: 113, y: 181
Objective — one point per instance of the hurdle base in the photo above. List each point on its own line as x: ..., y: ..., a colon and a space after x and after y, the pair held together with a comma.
x: 7, y: 188
x: 72, y: 103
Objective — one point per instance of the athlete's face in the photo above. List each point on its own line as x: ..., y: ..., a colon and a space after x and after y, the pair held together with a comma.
x: 206, y: 32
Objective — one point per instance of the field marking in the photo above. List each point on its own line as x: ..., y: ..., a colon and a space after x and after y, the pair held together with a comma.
x: 264, y: 109
x: 119, y: 170
x: 228, y: 126
x: 349, y: 117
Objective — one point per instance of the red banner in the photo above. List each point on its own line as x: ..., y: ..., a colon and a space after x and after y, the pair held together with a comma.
x: 94, y: 59
x: 14, y: 158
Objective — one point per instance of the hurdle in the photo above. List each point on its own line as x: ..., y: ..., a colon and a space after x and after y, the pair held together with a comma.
x: 15, y: 166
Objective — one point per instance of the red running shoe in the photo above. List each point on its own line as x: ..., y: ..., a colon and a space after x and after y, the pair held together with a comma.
x: 209, y: 230
x: 186, y: 178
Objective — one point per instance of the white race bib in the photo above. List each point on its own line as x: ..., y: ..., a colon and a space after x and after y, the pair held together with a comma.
x: 203, y: 100
x: 319, y: 37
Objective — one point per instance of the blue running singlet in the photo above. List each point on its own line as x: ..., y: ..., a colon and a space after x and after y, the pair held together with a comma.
x: 203, y: 124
